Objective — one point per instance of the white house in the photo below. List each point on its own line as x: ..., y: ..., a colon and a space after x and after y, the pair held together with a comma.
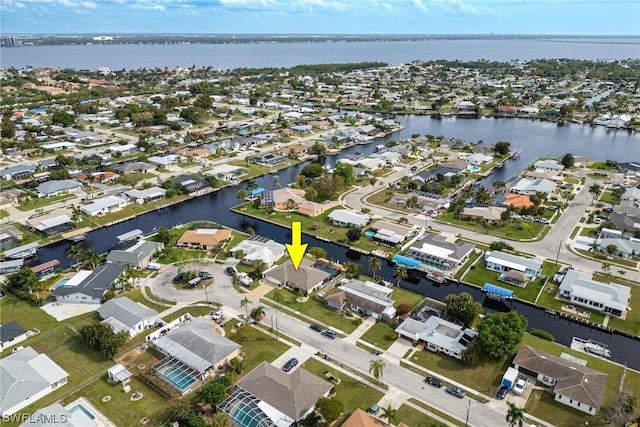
x: 478, y: 159
x: 529, y: 187
x: 259, y: 248
x: 124, y: 314
x: 11, y: 333
x: 104, y: 205
x: 56, y: 187
x: 88, y: 286
x: 504, y: 262
x: 549, y: 165
x: 580, y: 288
x: 146, y: 195
x: 438, y: 334
x: 367, y: 298
x: 27, y: 376
x: 347, y: 218
x: 226, y: 172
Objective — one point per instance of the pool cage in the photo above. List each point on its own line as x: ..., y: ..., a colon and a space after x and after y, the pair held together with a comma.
x: 247, y: 410
x: 176, y: 373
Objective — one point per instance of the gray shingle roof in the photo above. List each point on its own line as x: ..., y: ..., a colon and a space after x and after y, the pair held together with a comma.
x: 57, y: 185
x: 135, y: 253
x: 304, y: 277
x: 126, y: 311
x: 95, y: 284
x: 10, y: 330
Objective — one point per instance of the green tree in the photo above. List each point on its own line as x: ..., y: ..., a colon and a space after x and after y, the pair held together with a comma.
x: 313, y: 170
x: 258, y: 313
x: 164, y: 236
x: 374, y: 264
x: 259, y: 267
x: 376, y: 368
x: 276, y: 181
x: 75, y: 252
x: 213, y: 393
x: 354, y: 234
x: 605, y: 268
x: 245, y: 303
x: 345, y: 170
x: 390, y: 414
x: 500, y: 333
x: 63, y: 118
x: 320, y: 150
x: 24, y: 280
x: 502, y: 147
x: 194, y: 115
x: 353, y: 270
x: 593, y: 248
x: 203, y: 101
x: 7, y: 127
x: 90, y: 258
x: 515, y: 415
x: 100, y: 337
x: 242, y: 194
x: 568, y: 160
x: 401, y: 274
x: 317, y: 252
x: 330, y: 408
x: 595, y: 190
x: 612, y: 249
x: 463, y: 307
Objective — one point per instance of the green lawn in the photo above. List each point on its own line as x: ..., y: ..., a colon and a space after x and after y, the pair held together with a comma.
x: 194, y: 311
x: 512, y: 229
x: 472, y: 257
x: 178, y: 255
x: 378, y: 335
x: 134, y: 209
x: 317, y: 310
x: 353, y: 393
x: 256, y: 345
x: 415, y: 418
x: 402, y: 295
x: 42, y: 202
x: 236, y: 238
x: 136, y: 295
x: 631, y: 324
x: 254, y: 170
x: 380, y: 199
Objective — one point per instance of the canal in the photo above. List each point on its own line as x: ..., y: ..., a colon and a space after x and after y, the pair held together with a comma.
x: 534, y: 138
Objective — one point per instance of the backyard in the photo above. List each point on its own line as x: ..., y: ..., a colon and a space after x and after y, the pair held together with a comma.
x: 256, y: 345
x: 512, y: 229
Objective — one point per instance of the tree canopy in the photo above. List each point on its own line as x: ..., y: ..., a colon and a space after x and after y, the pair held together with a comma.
x: 568, y: 160
x: 502, y: 147
x: 330, y: 408
x: 63, y: 118
x: 100, y: 337
x: 314, y: 170
x: 463, y: 307
x: 500, y: 333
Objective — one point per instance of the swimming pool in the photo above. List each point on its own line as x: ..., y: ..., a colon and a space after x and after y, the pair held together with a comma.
x: 178, y: 377
x: 369, y: 233
x: 247, y: 417
x: 474, y: 168
x: 60, y: 282
x: 81, y: 408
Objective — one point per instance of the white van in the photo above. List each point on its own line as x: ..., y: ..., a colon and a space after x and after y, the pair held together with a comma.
x: 153, y: 266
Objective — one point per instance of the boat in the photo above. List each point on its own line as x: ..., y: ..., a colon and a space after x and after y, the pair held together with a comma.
x: 590, y: 347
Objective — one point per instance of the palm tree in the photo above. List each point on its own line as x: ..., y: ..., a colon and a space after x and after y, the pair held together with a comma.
x: 373, y: 181
x: 245, y: 303
x: 515, y: 415
x: 593, y: 248
x: 612, y: 249
x: 595, y: 190
x: 251, y: 185
x: 376, y: 368
x: 276, y: 181
x: 605, y: 268
x: 242, y: 194
x: 401, y: 273
x: 258, y: 313
x: 90, y: 257
x: 291, y: 204
x: 75, y: 252
x: 390, y: 414
x: 374, y: 265
x: 259, y: 267
x: 622, y: 273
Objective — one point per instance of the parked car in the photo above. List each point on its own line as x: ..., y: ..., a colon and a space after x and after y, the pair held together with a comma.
x: 35, y: 330
x: 414, y: 168
x: 502, y: 392
x: 329, y: 333
x: 519, y: 387
x: 179, y: 277
x: 543, y: 221
x: 244, y: 279
x: 456, y: 391
x: 291, y: 363
x: 316, y: 327
x: 231, y: 271
x: 215, y: 315
x: 436, y: 382
x: 373, y: 409
x: 527, y: 217
x: 205, y: 275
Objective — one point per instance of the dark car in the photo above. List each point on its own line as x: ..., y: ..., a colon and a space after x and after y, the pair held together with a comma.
x: 291, y: 363
x: 230, y: 271
x: 436, y: 382
x: 373, y: 409
x: 204, y: 275
x: 329, y: 333
x: 179, y: 277
x: 316, y: 327
x: 456, y: 391
x: 502, y: 392
x: 414, y: 168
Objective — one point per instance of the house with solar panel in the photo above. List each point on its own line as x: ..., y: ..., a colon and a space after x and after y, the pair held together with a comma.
x: 270, y: 397
x: 439, y: 335
x: 514, y: 269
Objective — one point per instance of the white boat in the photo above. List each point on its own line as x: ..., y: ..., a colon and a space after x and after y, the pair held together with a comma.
x: 590, y: 347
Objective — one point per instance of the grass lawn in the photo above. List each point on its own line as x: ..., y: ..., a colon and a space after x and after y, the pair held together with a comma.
x: 178, y: 255
x: 317, y: 310
x: 380, y: 199
x: 195, y: 311
x: 415, y: 418
x: 611, y: 261
x: 134, y: 209
x: 560, y: 414
x: 353, y: 393
x: 120, y: 409
x: 41, y: 202
x: 479, y: 275
x: 512, y: 229
x: 472, y: 258
x: 542, y: 405
x: 256, y: 345
x: 402, y: 295
x: 236, y: 238
x: 378, y: 335
x: 484, y: 377
x: 254, y: 170
x: 631, y: 324
x: 136, y: 295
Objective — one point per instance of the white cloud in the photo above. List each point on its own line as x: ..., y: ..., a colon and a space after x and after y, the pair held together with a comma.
x: 421, y: 6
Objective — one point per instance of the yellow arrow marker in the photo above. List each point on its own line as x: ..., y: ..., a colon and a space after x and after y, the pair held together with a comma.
x: 296, y: 249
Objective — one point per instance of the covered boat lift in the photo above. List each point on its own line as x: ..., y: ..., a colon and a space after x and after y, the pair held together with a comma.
x: 496, y: 292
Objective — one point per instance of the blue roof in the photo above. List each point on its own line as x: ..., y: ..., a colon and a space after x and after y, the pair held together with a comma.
x: 409, y: 262
x: 257, y: 191
x: 497, y: 290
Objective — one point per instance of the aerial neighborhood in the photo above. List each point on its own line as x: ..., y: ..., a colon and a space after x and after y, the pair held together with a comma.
x: 148, y: 218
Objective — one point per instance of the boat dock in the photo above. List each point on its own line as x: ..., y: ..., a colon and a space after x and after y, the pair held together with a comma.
x: 591, y: 347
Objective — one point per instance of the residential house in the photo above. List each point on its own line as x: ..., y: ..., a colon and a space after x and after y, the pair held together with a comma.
x: 491, y: 214
x: 194, y: 349
x: 466, y: 107
x: 259, y: 248
x: 11, y: 333
x: 347, y: 218
x: 439, y: 335
x: 388, y: 157
x: 136, y: 256
x: 89, y: 286
x: 268, y: 396
x: 56, y: 187
x: 368, y: 130
x: 389, y: 233
x: 626, y: 246
x: 124, y: 314
x: 27, y: 376
x: 632, y: 194
x: 366, y: 298
x: 11, y: 266
x: 627, y: 223
x: 17, y: 172
x: 478, y: 159
x: 360, y: 418
x: 104, y: 206
x: 283, y: 199
x: 305, y: 277
x: 226, y: 172
x: 9, y: 197
x: 147, y: 195
x: 573, y: 384
x: 10, y: 236
x: 129, y: 167
x: 166, y: 162
x: 550, y: 165
x: 580, y: 288
x: 518, y: 201
x: 425, y: 201
x: 269, y: 160
x: 204, y: 238
x: 54, y: 222
x: 433, y: 251
x: 433, y: 174
x: 516, y: 269
x: 190, y: 183
x: 529, y: 187
x: 45, y: 269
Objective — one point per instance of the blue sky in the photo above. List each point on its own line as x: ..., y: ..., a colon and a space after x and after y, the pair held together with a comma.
x: 598, y: 17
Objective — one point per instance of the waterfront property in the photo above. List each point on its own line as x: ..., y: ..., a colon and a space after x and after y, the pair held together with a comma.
x: 366, y: 298
x: 193, y: 350
x: 104, y: 206
x: 439, y: 335
x: 306, y: 277
x: 124, y: 314
x: 259, y: 248
x: 204, y: 238
x: 11, y: 265
x: 11, y: 333
x: 137, y: 255
x: 391, y: 234
x: 580, y: 288
x: 45, y: 269
x: 435, y: 252
x: 147, y: 195
x: 55, y: 187
x: 572, y: 384
x: 226, y: 172
x: 54, y: 222
x: 489, y: 214
x: 530, y: 187
x: 347, y: 218
x: 268, y: 396
x: 88, y: 286
x: 27, y: 376
x: 516, y: 270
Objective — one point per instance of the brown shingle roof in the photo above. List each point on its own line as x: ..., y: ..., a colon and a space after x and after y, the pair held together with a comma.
x: 305, y: 277
x: 204, y: 237
x: 360, y: 418
x: 292, y: 394
x: 577, y: 382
